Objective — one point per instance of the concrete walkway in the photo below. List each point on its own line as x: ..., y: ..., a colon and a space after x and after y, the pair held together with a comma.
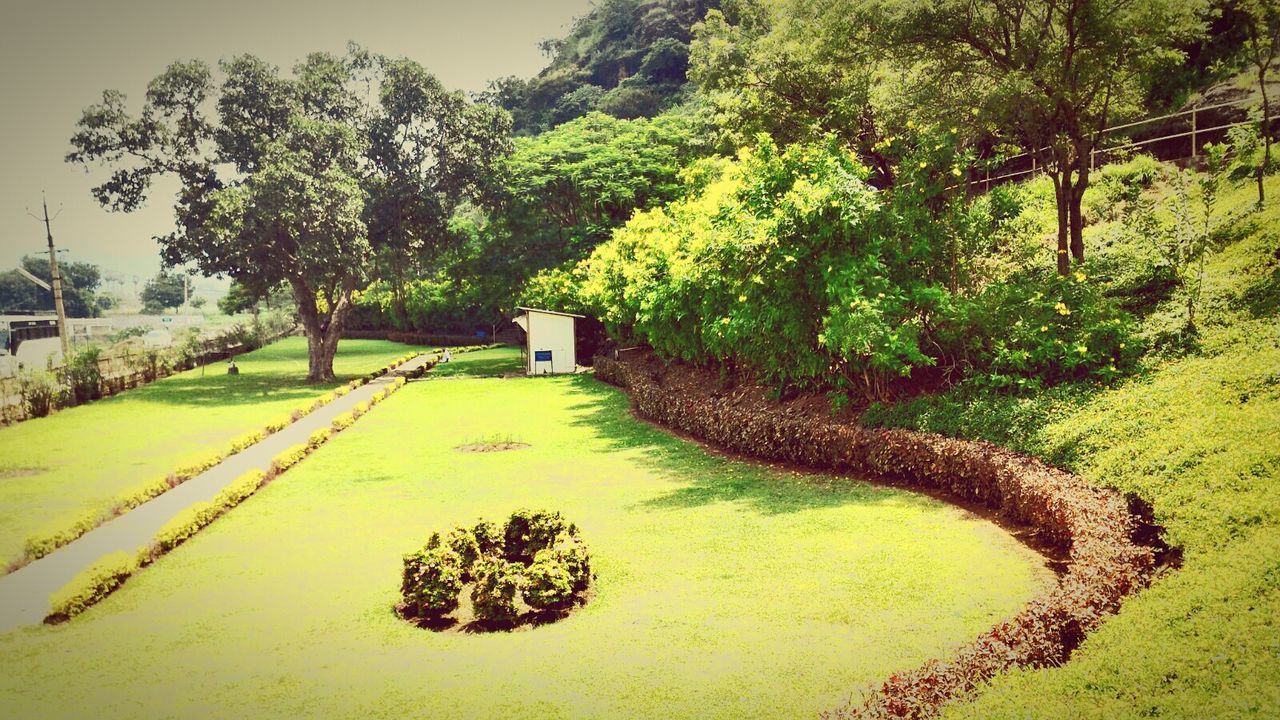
x: 24, y: 594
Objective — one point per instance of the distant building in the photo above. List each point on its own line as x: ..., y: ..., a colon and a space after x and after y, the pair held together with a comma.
x: 549, y: 339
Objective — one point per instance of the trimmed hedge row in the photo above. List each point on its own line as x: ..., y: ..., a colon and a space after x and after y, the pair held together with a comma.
x: 410, y: 338
x: 96, y: 583
x: 1094, y: 524
x: 61, y: 533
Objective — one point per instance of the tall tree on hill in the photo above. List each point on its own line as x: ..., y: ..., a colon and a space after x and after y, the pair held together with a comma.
x: 351, y: 159
x: 1050, y: 73
x: 1262, y: 46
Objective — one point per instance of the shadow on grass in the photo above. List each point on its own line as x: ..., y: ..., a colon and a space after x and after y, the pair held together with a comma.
x: 710, y: 476
x: 481, y: 363
x: 275, y: 372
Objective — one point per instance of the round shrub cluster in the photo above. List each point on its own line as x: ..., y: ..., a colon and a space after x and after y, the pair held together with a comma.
x: 536, y: 561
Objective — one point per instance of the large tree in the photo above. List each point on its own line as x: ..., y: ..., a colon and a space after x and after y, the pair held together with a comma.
x: 1050, y: 74
x: 302, y: 180
x: 1262, y: 47
x: 165, y: 290
x: 79, y: 281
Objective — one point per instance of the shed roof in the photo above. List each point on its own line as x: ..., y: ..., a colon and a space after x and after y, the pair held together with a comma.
x: 549, y: 312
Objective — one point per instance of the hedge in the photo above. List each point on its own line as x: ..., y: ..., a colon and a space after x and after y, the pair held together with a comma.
x: 90, y: 586
x: 1093, y: 524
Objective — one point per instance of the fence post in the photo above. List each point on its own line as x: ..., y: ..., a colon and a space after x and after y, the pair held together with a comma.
x: 1193, y: 133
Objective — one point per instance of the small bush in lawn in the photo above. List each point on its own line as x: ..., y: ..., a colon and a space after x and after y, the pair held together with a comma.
x: 529, y: 531
x: 463, y: 542
x: 536, y: 561
x: 489, y: 537
x: 572, y: 552
x: 548, y: 583
x: 431, y: 582
x: 498, y: 584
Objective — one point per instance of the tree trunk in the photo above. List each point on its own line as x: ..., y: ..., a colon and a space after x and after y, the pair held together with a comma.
x: 1264, y: 165
x: 1075, y: 211
x: 1061, y: 193
x: 323, y: 332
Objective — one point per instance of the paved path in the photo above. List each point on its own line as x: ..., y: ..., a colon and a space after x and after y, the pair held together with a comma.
x: 24, y: 594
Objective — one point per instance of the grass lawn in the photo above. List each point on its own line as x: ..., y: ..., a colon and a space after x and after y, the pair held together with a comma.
x: 724, y: 589
x: 53, y: 469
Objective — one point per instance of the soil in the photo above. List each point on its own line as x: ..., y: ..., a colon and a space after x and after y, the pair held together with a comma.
x: 491, y: 446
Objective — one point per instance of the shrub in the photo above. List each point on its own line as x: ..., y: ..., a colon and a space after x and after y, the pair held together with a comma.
x: 247, y: 440
x: 572, y: 552
x: 489, y: 537
x: 529, y: 531
x: 45, y: 541
x: 498, y: 583
x: 289, y: 457
x: 92, y: 585
x: 343, y: 421
x: 318, y: 438
x: 39, y: 391
x: 1045, y: 328
x: 463, y: 544
x: 82, y: 377
x: 184, y: 525
x: 432, y: 581
x: 548, y: 583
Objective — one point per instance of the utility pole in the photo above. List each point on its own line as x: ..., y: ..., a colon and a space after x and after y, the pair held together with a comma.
x: 56, y: 276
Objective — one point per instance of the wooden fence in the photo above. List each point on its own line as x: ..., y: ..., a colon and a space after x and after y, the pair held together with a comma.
x: 1174, y: 137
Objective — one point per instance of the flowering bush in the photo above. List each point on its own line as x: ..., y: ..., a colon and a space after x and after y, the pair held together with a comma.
x: 1047, y: 329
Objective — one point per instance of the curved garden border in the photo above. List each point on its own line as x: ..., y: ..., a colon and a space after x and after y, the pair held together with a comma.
x: 1095, y: 525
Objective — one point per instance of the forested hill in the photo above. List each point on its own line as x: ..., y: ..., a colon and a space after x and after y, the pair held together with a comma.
x: 626, y: 58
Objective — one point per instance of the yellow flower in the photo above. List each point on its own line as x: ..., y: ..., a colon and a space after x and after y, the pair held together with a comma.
x: 724, y: 321
x: 1082, y: 349
x: 1044, y: 328
x: 880, y: 295
x: 955, y: 171
x: 742, y: 298
x: 1081, y: 277
x: 1121, y: 346
x: 923, y: 164
x: 1062, y: 309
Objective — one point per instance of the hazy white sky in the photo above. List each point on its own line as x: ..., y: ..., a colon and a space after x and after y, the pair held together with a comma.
x: 57, y: 56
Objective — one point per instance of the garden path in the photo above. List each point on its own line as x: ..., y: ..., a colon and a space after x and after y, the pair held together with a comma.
x: 24, y: 593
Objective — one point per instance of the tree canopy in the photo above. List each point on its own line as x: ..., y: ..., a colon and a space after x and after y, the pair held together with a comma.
x: 79, y: 281
x: 305, y: 179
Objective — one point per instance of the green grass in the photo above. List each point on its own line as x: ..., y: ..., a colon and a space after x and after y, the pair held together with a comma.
x: 1197, y: 436
x: 725, y: 589
x: 54, y: 469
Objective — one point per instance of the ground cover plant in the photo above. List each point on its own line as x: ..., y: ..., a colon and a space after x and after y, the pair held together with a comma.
x: 77, y: 462
x: 723, y: 589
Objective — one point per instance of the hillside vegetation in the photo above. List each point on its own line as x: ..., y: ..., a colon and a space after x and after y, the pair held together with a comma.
x: 625, y: 58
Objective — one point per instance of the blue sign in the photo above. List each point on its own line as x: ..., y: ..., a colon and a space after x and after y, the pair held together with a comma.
x: 542, y: 356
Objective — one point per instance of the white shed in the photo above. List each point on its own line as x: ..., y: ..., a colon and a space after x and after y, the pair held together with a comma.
x: 549, y: 339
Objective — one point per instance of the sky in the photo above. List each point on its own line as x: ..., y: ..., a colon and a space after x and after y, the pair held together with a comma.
x: 57, y: 56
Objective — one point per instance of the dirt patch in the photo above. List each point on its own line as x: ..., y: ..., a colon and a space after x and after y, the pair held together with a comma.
x: 17, y: 472
x: 484, y: 447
